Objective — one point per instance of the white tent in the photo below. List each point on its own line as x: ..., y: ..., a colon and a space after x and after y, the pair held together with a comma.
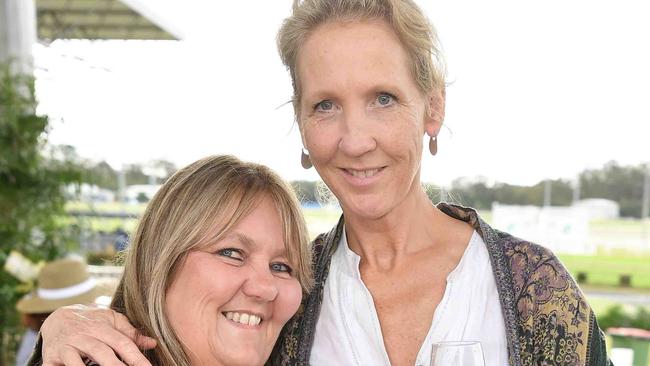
x: 22, y: 21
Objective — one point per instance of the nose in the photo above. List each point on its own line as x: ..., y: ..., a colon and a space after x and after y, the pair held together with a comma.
x: 261, y: 285
x: 358, y: 133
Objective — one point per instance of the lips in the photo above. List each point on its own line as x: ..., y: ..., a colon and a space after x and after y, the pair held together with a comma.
x: 363, y: 176
x: 367, y: 173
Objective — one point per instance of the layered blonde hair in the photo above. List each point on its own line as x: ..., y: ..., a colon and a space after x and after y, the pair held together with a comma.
x: 412, y: 27
x: 197, y: 206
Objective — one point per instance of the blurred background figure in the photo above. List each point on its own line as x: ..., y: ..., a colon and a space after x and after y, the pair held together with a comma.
x: 60, y: 283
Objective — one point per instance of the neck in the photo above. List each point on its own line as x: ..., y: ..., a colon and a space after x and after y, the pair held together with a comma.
x: 407, y: 229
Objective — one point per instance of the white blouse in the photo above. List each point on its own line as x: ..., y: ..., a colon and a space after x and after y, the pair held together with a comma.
x: 348, y: 330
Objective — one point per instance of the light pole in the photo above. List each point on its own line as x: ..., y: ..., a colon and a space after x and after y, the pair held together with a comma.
x: 18, y: 34
x: 646, y: 193
x: 576, y: 190
x: 547, y: 193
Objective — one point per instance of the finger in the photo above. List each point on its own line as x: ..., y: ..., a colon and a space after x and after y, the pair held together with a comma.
x: 144, y: 342
x: 50, y: 363
x: 98, y: 352
x: 123, y: 345
x: 69, y: 356
x: 123, y: 325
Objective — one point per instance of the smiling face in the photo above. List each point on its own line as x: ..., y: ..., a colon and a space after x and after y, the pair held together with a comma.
x: 229, y: 301
x: 362, y: 116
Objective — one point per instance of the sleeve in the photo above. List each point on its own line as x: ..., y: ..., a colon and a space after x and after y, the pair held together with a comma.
x: 555, y: 324
x: 36, y: 359
x: 597, y: 348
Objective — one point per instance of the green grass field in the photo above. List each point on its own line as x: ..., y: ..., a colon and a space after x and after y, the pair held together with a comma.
x: 604, y: 270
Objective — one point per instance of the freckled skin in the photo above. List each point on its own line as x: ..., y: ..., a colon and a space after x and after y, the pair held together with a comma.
x: 359, y: 131
x: 218, y: 279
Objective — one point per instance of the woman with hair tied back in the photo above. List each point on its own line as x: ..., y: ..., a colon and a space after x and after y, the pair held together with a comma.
x: 397, y: 274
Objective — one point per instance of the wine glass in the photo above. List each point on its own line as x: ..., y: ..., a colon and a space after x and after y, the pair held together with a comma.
x: 460, y: 353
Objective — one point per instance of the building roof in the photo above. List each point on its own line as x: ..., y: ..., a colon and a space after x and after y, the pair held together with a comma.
x: 630, y: 332
x: 100, y: 19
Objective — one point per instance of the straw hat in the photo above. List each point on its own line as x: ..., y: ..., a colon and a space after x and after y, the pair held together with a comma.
x: 64, y: 282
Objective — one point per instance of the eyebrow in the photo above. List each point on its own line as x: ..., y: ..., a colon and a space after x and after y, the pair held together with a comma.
x: 245, y: 240
x: 252, y: 244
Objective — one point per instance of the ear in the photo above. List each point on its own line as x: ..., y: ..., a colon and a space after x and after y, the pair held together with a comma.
x: 297, y: 121
x: 436, y: 112
x: 302, y: 134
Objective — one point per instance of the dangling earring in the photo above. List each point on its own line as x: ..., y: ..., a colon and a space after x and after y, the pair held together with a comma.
x: 433, y: 145
x: 304, y: 159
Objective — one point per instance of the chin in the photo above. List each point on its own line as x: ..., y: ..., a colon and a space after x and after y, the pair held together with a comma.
x: 368, y: 209
x: 248, y: 355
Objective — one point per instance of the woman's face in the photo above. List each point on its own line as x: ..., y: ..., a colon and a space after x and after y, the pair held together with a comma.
x: 228, y: 302
x: 362, y: 116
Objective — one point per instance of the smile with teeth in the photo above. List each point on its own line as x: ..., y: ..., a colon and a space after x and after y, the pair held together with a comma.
x: 243, y: 318
x: 363, y: 173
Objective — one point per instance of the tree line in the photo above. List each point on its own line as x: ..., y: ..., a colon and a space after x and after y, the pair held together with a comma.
x: 620, y: 183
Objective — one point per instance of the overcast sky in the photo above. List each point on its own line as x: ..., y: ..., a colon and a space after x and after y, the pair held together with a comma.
x: 537, y: 89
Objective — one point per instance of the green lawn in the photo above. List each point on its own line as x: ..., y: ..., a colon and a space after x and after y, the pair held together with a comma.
x: 320, y: 220
x: 600, y: 305
x: 605, y: 269
x: 601, y: 269
x: 112, y: 207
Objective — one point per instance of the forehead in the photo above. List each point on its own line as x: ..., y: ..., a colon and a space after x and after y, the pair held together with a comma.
x: 262, y: 228
x: 367, y: 50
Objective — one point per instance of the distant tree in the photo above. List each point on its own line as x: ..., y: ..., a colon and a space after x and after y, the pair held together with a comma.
x: 104, y: 176
x: 472, y: 192
x: 165, y: 166
x: 101, y: 174
x: 478, y: 194
x: 623, y: 184
x: 305, y: 190
x: 142, y: 197
x: 135, y: 175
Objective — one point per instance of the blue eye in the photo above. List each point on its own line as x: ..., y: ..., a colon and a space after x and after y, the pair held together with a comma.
x: 325, y: 105
x: 280, y: 267
x: 235, y: 254
x: 385, y: 99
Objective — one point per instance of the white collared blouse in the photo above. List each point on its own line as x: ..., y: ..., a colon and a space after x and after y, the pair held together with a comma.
x: 348, y: 330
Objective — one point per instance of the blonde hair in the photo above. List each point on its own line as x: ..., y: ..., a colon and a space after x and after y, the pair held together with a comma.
x: 412, y: 27
x: 215, y: 192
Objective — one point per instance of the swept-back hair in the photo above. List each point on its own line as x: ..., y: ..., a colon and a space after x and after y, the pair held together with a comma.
x: 412, y: 27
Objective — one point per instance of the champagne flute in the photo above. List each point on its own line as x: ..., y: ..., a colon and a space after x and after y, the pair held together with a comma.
x: 460, y: 353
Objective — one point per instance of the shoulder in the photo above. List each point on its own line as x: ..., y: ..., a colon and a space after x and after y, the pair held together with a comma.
x: 537, y: 272
x: 294, y: 344
x: 555, y: 322
x: 323, y: 246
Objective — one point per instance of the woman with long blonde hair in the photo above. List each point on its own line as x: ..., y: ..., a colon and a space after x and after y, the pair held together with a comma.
x: 218, y: 264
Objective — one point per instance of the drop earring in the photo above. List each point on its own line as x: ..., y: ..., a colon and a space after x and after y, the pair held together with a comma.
x: 433, y: 145
x: 304, y: 159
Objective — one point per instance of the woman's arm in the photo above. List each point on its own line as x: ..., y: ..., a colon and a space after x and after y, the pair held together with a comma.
x: 106, y: 336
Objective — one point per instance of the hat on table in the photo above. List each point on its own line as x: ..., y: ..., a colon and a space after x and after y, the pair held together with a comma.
x: 64, y: 282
